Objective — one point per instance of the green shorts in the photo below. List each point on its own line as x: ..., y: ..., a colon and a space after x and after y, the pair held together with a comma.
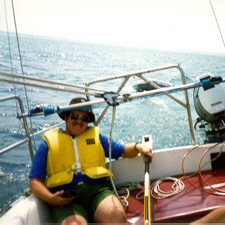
x: 87, y: 196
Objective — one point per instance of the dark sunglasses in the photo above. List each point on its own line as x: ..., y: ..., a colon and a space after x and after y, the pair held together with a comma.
x: 74, y: 116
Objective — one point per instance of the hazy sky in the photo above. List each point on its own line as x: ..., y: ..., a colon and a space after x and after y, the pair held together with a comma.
x: 166, y: 24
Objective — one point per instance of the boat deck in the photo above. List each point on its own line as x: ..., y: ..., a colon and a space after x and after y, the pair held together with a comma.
x: 186, y: 206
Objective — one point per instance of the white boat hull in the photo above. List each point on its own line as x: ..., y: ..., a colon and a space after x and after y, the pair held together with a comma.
x: 166, y: 163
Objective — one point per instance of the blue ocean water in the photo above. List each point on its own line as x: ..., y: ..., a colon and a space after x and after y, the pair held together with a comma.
x: 77, y: 63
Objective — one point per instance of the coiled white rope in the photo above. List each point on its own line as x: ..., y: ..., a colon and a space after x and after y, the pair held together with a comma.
x: 156, y: 191
x: 176, y: 188
x: 125, y: 188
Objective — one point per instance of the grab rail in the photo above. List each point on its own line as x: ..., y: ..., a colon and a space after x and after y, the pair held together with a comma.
x: 28, y: 139
x: 139, y: 74
x: 125, y: 78
x: 28, y: 135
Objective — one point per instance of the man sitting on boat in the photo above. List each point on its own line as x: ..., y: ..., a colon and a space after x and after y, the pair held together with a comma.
x: 69, y: 171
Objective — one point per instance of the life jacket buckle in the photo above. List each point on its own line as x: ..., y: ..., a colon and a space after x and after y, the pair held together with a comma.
x: 76, y: 166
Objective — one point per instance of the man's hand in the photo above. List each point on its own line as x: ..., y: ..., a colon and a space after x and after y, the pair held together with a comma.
x: 57, y: 199
x: 39, y: 189
x: 131, y: 150
x: 145, y: 150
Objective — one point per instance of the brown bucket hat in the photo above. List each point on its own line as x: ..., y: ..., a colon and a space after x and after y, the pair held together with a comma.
x: 75, y: 101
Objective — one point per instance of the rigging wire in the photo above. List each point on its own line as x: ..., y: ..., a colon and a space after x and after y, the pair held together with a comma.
x: 10, y: 53
x: 7, y: 27
x: 21, y: 65
x: 217, y: 23
x: 122, y: 199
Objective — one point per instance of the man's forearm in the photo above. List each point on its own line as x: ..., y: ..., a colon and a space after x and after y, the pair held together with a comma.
x: 39, y: 189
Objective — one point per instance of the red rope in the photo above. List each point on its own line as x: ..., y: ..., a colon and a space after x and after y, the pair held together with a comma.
x: 199, y: 167
x: 182, y: 164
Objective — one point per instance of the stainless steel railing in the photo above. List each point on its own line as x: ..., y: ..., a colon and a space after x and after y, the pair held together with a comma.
x: 124, y: 77
x: 139, y: 74
x: 25, y: 125
x: 28, y: 138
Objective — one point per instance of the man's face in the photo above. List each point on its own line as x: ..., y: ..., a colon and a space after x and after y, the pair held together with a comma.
x: 76, y: 122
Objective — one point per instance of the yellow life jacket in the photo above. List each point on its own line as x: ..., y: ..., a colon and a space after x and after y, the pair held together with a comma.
x: 67, y: 156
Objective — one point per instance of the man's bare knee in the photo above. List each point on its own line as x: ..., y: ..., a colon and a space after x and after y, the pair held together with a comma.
x: 74, y: 220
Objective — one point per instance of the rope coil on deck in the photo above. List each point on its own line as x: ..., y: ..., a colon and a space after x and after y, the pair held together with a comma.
x: 157, y: 193
x: 177, y: 187
x: 125, y: 188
